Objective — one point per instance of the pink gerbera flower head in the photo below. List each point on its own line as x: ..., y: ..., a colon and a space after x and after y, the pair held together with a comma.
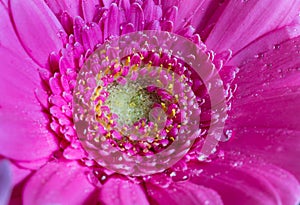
x: 149, y: 102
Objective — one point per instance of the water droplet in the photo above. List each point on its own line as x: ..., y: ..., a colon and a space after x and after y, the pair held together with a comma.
x: 221, y: 154
x: 276, y: 46
x: 237, y: 164
x: 92, y: 179
x: 103, y: 178
x: 179, y: 176
x: 259, y: 55
x: 196, y: 172
x: 269, y: 65
x: 203, y: 158
x: 162, y: 180
x: 228, y: 134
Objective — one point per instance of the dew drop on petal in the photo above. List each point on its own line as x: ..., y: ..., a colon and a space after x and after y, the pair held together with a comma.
x: 92, y: 178
x: 276, y: 46
x: 237, y: 164
x: 228, y: 134
x: 178, y: 176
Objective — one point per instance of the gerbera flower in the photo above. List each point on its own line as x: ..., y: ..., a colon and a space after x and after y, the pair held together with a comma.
x: 254, y: 46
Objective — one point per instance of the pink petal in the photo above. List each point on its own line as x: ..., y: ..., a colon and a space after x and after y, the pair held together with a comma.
x: 136, y: 16
x: 277, y: 146
x: 5, y: 181
x: 186, y: 12
x: 32, y: 165
x: 71, y: 6
x: 5, y: 2
x: 112, y: 16
x: 168, y: 4
x: 243, y: 180
x: 8, y: 38
x: 23, y: 132
x: 58, y: 183
x: 91, y: 36
x: 152, y: 11
x: 205, y: 18
x: 19, y: 174
x: 37, y: 28
x: 266, y: 107
x: 19, y: 178
x: 244, y: 21
x: 282, y: 181
x: 88, y: 9
x: 107, y: 3
x: 265, y: 43
x: 183, y: 193
x: 120, y: 191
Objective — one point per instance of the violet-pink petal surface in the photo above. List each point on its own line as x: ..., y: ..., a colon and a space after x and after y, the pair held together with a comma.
x: 186, y: 12
x: 205, y: 18
x: 266, y: 108
x: 19, y: 174
x: 183, y: 193
x: 239, y: 179
x: 20, y: 108
x: 242, y: 179
x: 88, y: 8
x: 32, y: 18
x: 244, y: 21
x: 61, y: 182
x: 5, y: 181
x: 120, y: 191
x: 70, y: 6
x: 19, y: 177
x: 267, y: 42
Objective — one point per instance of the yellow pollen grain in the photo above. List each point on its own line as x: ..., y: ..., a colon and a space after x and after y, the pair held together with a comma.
x: 99, y: 75
x: 159, y: 82
x: 163, y: 106
x: 98, y: 108
x: 170, y: 127
x: 107, y: 71
x: 109, y: 115
x: 143, y: 123
x: 173, y: 112
x: 111, y: 122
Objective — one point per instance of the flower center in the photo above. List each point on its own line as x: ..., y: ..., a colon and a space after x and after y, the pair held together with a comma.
x: 136, y: 113
x: 137, y: 102
x: 130, y: 102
